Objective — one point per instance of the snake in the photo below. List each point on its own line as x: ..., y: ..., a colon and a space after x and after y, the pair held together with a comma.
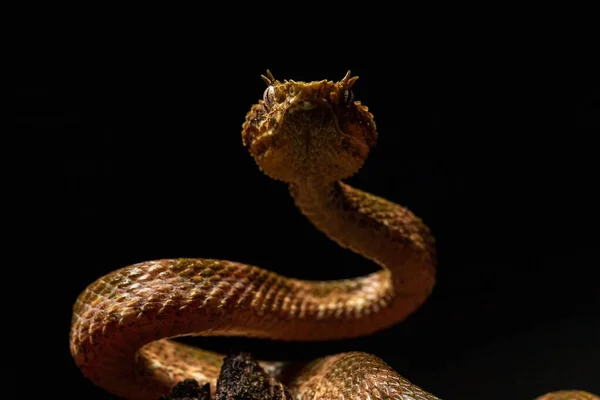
x: 311, y: 136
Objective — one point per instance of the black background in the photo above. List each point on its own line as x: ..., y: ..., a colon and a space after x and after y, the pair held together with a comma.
x: 491, y: 143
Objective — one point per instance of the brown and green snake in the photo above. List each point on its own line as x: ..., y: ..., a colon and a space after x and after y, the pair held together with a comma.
x: 310, y: 135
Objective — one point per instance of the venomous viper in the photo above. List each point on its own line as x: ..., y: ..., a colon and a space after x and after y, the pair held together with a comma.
x: 310, y: 135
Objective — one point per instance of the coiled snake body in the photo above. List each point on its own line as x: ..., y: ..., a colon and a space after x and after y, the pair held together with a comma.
x: 310, y: 135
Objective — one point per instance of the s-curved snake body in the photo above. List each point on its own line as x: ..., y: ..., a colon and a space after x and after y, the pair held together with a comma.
x: 310, y: 135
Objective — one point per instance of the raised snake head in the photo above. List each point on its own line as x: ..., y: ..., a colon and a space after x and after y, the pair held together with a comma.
x: 302, y: 131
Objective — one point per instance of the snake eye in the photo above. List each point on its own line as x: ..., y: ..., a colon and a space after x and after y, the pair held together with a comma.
x: 348, y: 96
x: 269, y: 97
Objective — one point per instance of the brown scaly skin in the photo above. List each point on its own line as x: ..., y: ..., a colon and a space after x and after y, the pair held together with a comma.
x: 568, y: 395
x: 309, y: 135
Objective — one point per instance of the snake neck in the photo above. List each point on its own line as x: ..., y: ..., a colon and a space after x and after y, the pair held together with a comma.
x: 386, y: 233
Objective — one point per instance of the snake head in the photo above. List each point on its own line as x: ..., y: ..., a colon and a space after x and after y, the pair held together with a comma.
x: 303, y: 131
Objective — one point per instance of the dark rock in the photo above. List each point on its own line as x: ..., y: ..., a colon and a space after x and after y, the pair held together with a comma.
x: 241, y: 378
x: 189, y: 389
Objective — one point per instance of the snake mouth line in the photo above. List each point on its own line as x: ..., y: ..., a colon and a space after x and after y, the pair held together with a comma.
x: 262, y: 144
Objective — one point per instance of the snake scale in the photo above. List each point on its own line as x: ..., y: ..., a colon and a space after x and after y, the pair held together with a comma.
x: 310, y: 135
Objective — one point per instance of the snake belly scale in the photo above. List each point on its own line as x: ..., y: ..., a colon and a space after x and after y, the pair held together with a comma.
x: 310, y: 135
